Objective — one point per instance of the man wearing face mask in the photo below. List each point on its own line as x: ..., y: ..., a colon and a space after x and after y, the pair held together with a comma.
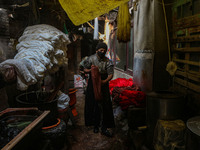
x: 99, y: 112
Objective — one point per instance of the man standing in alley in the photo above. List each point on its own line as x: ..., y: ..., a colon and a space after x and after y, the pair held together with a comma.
x: 98, y: 105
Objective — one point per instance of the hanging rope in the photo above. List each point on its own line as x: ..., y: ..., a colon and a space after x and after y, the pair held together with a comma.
x: 171, y: 66
x: 169, y: 51
x: 168, y: 4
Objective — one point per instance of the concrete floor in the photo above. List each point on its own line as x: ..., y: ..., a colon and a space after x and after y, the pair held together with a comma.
x: 83, y: 138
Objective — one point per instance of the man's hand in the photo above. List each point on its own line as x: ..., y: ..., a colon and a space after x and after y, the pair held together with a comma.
x: 10, y: 74
x: 107, y: 80
x: 88, y: 70
x: 103, y: 82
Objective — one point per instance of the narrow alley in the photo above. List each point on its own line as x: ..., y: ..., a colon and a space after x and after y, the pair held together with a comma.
x: 99, y: 75
x: 83, y: 138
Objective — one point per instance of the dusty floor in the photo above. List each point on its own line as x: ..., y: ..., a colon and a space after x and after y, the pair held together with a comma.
x: 83, y: 138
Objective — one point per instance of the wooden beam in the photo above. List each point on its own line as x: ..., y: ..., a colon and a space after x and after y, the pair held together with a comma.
x: 187, y: 22
x: 194, y: 30
x: 187, y: 62
x: 191, y: 49
x: 194, y: 77
x: 184, y: 91
x: 187, y: 55
x: 187, y: 84
x: 186, y: 39
x: 196, y: 73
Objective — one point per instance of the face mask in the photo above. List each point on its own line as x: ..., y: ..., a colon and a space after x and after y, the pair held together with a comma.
x: 100, y: 54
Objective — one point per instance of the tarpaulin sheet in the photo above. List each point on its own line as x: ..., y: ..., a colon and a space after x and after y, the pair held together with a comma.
x: 144, y: 44
x: 81, y: 11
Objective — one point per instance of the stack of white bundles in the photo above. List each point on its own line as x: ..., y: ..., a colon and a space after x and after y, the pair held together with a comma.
x: 41, y: 50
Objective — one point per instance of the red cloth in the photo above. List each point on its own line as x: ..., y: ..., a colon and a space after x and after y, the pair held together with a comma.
x: 118, y: 90
x: 125, y: 93
x: 120, y: 82
x: 136, y: 98
x: 96, y: 81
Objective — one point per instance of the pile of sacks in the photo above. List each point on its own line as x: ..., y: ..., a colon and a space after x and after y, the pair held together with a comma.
x: 41, y: 50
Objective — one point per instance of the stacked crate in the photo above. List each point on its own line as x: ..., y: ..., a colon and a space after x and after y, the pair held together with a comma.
x: 186, y: 44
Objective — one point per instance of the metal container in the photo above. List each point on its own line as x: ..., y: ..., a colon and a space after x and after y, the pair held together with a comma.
x: 164, y: 105
x: 193, y: 134
x: 24, y: 139
x: 39, y: 100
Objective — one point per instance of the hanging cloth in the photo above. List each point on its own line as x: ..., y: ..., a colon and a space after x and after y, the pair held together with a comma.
x: 96, y: 29
x: 123, y: 24
x: 80, y: 11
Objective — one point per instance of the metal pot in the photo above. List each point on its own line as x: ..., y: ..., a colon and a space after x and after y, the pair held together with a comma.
x: 164, y: 105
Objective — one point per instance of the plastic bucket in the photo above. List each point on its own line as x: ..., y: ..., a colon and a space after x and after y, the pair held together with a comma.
x: 72, y: 96
x: 55, y: 132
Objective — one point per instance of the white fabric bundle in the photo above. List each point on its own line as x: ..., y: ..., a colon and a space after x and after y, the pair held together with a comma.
x: 63, y: 100
x: 41, y: 49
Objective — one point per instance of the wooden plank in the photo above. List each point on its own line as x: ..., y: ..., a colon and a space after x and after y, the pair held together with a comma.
x: 187, y: 58
x: 194, y: 30
x: 187, y: 84
x: 187, y: 55
x: 189, y: 49
x: 25, y: 131
x: 194, y: 77
x: 187, y: 62
x: 194, y: 95
x: 196, y: 73
x: 192, y: 38
x: 187, y: 22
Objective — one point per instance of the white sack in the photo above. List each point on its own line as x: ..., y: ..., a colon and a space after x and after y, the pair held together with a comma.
x: 41, y: 48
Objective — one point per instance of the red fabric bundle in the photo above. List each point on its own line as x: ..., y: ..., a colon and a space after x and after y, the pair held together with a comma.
x: 136, y: 98
x: 96, y: 81
x: 118, y: 90
x: 120, y: 82
x: 125, y: 93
